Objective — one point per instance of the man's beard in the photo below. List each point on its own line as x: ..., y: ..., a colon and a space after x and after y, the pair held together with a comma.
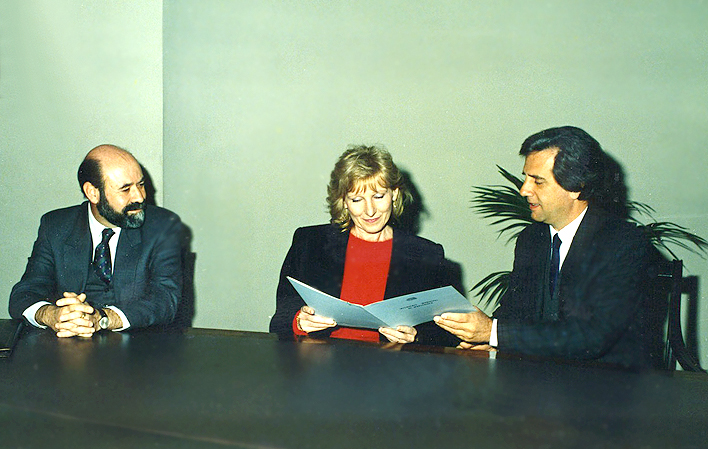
x: 122, y: 219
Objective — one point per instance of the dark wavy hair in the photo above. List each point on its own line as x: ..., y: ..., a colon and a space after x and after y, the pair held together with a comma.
x: 582, y: 166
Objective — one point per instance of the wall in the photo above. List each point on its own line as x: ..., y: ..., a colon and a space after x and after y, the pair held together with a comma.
x: 260, y: 97
x: 73, y: 75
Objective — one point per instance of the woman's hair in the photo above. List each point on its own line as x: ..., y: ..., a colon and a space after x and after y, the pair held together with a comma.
x: 360, y: 166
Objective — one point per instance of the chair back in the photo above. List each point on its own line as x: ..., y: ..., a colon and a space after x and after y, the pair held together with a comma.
x: 666, y: 290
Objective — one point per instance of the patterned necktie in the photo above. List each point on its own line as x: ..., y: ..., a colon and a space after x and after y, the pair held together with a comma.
x: 555, y: 263
x: 102, y: 257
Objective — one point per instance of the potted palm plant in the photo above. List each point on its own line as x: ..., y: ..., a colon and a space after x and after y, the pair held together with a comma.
x: 507, y: 208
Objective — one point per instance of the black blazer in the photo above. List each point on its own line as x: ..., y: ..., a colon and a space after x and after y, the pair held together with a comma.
x: 147, y: 273
x: 600, y: 293
x: 316, y: 257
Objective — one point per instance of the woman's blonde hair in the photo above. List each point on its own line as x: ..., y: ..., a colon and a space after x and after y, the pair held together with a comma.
x: 359, y: 166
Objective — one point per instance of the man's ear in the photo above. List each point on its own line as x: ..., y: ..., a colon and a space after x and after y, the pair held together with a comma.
x: 92, y: 193
x: 574, y: 195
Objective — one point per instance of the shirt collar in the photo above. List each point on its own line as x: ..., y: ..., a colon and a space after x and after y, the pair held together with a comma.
x: 97, y: 229
x: 568, y: 232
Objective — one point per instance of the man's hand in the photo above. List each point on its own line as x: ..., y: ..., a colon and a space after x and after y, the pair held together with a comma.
x: 71, y: 316
x: 401, y: 334
x: 475, y: 347
x: 308, y: 322
x: 472, y: 327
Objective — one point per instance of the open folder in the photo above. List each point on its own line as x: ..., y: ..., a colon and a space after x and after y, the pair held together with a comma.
x: 407, y: 310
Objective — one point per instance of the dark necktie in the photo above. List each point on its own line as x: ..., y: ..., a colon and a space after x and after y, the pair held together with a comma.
x: 555, y: 263
x: 102, y: 257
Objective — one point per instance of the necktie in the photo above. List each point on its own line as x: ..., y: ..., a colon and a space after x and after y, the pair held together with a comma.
x: 102, y: 257
x: 555, y: 263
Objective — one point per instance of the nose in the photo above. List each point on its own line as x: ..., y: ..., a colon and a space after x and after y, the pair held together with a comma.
x: 137, y: 194
x: 370, y: 208
x: 525, y: 189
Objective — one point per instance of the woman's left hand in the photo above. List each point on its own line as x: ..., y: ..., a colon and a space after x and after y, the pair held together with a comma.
x: 401, y: 334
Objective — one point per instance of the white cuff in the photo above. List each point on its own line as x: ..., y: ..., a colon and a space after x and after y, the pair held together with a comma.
x: 126, y: 323
x: 31, y: 311
x: 493, y: 341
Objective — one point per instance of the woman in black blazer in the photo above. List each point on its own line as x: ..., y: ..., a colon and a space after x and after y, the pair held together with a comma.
x: 360, y: 257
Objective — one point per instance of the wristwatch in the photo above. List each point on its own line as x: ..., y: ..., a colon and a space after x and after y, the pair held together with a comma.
x: 104, y: 321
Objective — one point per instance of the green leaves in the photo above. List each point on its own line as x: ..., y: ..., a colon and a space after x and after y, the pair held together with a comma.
x: 504, y: 205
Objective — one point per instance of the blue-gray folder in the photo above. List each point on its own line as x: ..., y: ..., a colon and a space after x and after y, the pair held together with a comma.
x: 406, y: 310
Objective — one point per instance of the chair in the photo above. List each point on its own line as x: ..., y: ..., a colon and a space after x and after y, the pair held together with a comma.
x: 665, y: 311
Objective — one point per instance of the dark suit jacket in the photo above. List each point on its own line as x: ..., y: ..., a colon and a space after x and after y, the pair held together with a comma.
x: 600, y: 294
x: 317, y: 256
x: 147, y: 273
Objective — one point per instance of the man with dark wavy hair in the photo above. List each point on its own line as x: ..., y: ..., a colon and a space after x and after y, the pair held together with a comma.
x: 110, y: 263
x: 576, y: 289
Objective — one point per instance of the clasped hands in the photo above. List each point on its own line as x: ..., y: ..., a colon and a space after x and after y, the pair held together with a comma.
x: 70, y: 316
x: 308, y: 322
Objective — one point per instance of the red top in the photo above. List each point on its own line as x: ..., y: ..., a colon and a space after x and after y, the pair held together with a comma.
x: 365, y: 273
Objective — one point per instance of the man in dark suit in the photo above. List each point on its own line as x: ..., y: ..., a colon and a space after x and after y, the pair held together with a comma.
x: 582, y: 300
x: 109, y: 263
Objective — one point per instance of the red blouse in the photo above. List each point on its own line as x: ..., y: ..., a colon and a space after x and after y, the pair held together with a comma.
x: 366, y: 268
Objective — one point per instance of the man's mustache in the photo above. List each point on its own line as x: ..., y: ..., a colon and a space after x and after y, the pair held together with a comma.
x: 134, y: 206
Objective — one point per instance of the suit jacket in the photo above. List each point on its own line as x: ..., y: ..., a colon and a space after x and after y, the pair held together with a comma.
x: 600, y: 294
x: 147, y: 272
x: 317, y: 257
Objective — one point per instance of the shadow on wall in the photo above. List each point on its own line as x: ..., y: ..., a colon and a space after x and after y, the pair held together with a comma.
x: 186, y: 307
x: 410, y: 221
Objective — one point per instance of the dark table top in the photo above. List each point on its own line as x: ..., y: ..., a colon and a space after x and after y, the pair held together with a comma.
x: 211, y: 388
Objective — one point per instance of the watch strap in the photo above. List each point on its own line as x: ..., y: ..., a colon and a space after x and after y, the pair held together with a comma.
x: 104, y: 321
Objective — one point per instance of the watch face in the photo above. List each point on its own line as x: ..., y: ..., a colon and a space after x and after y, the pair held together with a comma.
x: 103, y: 322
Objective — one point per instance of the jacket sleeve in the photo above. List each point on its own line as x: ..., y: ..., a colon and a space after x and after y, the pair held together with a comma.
x: 38, y: 283
x: 288, y: 302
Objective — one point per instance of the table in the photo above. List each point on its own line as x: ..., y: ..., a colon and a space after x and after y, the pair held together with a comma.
x: 213, y: 389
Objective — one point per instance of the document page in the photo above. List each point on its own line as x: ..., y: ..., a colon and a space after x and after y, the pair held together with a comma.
x: 407, y: 310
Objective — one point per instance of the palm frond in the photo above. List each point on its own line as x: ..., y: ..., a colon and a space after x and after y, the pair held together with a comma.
x: 662, y: 233
x: 518, y: 182
x: 641, y: 209
x: 492, y: 287
x: 504, y: 204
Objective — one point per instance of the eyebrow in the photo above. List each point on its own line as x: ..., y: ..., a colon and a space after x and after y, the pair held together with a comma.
x: 536, y: 177
x: 128, y: 184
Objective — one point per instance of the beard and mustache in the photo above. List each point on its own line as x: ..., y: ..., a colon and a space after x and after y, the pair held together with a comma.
x: 122, y: 219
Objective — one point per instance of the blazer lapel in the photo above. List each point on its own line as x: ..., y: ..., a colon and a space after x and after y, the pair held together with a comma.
x: 76, y: 256
x: 333, y: 255
x: 127, y: 258
x: 579, y: 256
x: 397, y: 279
x: 542, y: 265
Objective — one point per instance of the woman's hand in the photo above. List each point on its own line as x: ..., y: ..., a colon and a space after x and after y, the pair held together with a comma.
x: 401, y: 334
x: 308, y: 322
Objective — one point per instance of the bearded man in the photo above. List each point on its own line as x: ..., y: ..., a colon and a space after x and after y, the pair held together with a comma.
x: 110, y: 263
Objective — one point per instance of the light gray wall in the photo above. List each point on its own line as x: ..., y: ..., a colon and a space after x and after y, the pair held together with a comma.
x: 73, y: 75
x: 260, y: 97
